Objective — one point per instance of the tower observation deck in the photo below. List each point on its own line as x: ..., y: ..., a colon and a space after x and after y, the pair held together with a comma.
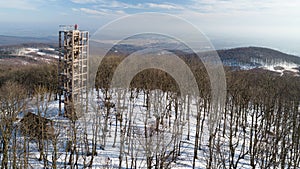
x: 73, y: 71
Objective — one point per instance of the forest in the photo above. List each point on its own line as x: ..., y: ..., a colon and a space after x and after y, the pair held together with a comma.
x: 150, y: 125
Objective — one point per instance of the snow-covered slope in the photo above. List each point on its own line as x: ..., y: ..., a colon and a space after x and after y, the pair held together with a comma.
x: 264, y: 58
x: 27, y: 55
x: 125, y: 134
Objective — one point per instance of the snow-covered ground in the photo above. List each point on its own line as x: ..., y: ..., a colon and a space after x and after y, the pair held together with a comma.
x: 28, y: 56
x: 127, y: 131
x: 43, y: 54
x: 135, y: 117
x: 279, y: 66
x: 30, y: 51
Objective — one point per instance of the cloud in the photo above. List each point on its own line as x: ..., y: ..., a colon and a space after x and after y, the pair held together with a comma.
x: 144, y: 6
x: 19, y: 4
x: 270, y: 18
x: 122, y: 5
x: 163, y: 6
x: 90, y: 11
x: 230, y: 6
x: 234, y: 11
x: 108, y: 4
x: 101, y: 12
x: 116, y: 4
x: 84, y: 1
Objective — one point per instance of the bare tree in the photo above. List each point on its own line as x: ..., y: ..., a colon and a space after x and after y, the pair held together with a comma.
x: 12, y: 102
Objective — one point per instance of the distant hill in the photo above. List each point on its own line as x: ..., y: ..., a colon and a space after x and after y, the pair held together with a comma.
x: 16, y: 50
x: 245, y: 58
x: 260, y: 58
x: 248, y: 55
x: 15, y: 40
x: 27, y: 54
x: 237, y: 58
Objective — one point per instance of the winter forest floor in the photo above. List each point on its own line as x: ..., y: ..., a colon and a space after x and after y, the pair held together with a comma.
x: 153, y: 129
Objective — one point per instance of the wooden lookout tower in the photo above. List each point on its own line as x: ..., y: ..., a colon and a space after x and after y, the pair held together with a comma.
x: 73, y: 71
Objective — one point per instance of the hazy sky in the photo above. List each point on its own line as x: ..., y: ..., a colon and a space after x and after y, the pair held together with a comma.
x: 271, y: 23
